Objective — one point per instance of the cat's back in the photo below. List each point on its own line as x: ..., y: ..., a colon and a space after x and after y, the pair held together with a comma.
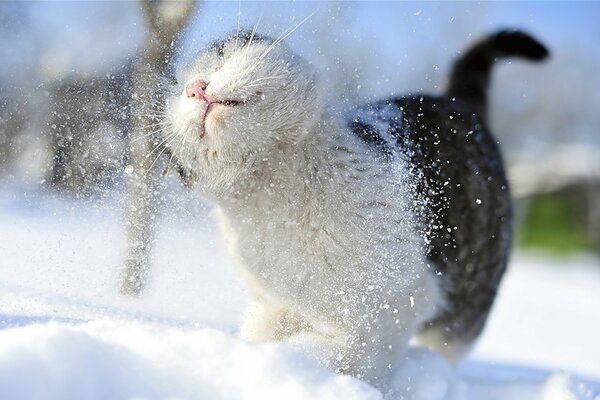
x: 460, y: 189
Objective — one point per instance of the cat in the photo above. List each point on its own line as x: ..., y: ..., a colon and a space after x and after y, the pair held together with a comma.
x: 365, y: 230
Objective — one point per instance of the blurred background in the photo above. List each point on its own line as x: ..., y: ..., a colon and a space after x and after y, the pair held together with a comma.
x: 65, y: 88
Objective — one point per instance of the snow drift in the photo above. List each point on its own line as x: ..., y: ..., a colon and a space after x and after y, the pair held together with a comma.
x: 66, y: 334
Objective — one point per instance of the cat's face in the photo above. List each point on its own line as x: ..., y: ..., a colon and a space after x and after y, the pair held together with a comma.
x: 238, y: 101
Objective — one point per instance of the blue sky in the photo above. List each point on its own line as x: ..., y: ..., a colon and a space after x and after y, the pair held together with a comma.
x: 397, y: 28
x: 394, y: 47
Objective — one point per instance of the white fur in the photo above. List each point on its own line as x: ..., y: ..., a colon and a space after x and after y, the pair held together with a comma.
x: 324, y: 230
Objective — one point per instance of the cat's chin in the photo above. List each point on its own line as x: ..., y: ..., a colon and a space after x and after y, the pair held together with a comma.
x: 216, y: 122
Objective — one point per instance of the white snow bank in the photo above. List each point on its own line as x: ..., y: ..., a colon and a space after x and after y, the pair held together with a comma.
x: 114, y: 359
x: 547, y: 314
x: 65, y: 333
x: 119, y: 359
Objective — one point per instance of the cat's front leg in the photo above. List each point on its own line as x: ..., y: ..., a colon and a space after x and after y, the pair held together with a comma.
x: 370, y: 354
x: 376, y: 334
x: 266, y: 319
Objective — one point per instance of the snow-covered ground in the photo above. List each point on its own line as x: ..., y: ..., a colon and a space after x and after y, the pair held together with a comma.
x: 65, y: 333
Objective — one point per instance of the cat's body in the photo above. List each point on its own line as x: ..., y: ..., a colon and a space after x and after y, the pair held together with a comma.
x: 362, y: 231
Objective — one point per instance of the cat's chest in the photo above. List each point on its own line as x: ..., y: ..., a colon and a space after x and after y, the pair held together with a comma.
x: 274, y: 247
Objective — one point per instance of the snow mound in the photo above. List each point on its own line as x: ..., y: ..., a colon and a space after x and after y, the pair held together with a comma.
x: 65, y: 333
x: 116, y: 359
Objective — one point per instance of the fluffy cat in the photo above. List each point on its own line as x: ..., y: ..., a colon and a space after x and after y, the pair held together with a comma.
x: 361, y: 230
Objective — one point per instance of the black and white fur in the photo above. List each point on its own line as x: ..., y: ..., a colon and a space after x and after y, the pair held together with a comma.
x: 362, y: 231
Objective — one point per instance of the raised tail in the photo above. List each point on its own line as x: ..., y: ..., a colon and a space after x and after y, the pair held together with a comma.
x: 470, y: 75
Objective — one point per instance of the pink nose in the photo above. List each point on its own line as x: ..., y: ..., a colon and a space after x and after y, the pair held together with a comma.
x: 196, y: 89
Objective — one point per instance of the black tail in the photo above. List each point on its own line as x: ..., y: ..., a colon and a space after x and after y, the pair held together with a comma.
x: 471, y: 73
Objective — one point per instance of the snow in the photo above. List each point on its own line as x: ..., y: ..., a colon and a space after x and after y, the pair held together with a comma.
x: 65, y: 333
x: 548, y: 314
x: 124, y: 359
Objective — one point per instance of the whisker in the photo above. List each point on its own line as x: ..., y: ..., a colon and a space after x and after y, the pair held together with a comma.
x: 154, y: 116
x: 285, y: 34
x: 175, y: 151
x: 145, y: 135
x: 265, y: 78
x: 159, y: 154
x: 253, y: 33
x: 159, y: 124
x: 154, y: 127
x: 237, y: 32
x: 161, y: 143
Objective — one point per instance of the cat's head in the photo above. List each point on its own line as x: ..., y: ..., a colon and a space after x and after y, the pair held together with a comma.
x: 238, y: 101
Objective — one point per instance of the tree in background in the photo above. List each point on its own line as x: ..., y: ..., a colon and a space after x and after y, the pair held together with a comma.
x: 89, y: 123
x: 165, y: 20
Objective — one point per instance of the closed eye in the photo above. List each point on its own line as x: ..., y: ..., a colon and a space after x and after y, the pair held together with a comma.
x: 231, y: 102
